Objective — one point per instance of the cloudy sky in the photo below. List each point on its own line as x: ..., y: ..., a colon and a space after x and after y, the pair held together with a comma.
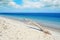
x: 45, y: 6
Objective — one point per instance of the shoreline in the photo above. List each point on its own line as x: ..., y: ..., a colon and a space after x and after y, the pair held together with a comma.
x: 50, y: 28
x: 16, y: 29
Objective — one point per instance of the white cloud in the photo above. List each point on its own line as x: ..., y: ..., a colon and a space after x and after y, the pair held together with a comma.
x: 37, y: 4
x: 33, y: 5
x: 55, y: 3
x: 13, y: 4
x: 26, y: 4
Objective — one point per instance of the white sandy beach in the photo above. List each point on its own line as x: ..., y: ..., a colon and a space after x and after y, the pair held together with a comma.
x: 16, y: 30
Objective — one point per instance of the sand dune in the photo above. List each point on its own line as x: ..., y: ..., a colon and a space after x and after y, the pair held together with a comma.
x: 16, y: 30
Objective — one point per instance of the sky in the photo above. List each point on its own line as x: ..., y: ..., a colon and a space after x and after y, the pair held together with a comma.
x: 30, y: 6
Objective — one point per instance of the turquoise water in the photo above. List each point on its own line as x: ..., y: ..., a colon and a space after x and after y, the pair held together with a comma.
x: 45, y: 20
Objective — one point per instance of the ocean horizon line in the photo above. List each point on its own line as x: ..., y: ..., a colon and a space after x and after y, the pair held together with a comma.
x: 34, y: 14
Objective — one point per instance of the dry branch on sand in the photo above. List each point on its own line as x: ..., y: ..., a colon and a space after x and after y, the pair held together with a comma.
x: 30, y: 22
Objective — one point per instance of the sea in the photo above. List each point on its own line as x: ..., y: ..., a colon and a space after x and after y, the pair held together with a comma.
x: 45, y: 19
